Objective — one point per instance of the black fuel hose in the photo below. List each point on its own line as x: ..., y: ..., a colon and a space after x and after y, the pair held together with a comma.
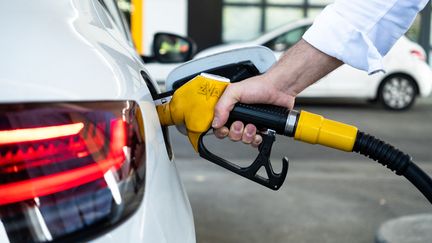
x: 277, y: 119
x: 191, y: 101
x: 395, y: 160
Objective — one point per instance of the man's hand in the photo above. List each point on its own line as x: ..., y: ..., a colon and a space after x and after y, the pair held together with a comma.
x: 257, y: 90
x: 301, y: 66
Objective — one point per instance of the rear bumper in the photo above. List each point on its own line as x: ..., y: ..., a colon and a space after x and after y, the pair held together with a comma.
x: 423, y: 76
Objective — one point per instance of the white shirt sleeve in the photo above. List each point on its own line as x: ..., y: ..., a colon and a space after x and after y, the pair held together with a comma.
x: 361, y: 32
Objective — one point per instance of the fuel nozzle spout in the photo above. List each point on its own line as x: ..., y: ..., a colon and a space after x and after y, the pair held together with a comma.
x: 164, y: 112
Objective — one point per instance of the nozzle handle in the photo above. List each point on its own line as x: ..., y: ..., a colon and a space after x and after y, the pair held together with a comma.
x: 271, y: 179
x: 263, y: 117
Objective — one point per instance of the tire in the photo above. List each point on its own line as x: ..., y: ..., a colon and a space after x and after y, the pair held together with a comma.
x: 397, y: 92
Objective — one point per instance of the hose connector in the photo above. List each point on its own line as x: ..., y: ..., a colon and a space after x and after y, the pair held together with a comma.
x: 315, y: 129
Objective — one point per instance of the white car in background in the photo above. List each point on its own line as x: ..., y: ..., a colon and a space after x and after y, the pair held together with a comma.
x: 407, y: 74
x: 82, y: 154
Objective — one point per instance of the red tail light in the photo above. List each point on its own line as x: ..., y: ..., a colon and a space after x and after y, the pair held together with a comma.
x: 39, y: 133
x: 418, y: 54
x: 59, y: 157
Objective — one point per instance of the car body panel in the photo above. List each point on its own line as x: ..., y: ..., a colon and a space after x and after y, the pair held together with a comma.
x: 87, y: 56
x: 71, y: 50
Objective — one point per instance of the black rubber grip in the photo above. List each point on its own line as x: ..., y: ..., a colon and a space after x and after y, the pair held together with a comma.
x: 262, y: 116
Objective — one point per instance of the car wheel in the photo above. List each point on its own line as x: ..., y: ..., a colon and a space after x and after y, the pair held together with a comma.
x: 397, y: 92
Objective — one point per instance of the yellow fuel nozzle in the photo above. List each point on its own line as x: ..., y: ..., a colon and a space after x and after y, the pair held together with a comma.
x: 193, y: 105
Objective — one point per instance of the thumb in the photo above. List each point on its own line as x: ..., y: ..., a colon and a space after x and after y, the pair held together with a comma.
x: 225, y: 104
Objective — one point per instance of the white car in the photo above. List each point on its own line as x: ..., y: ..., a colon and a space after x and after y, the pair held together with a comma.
x: 407, y: 74
x: 82, y: 153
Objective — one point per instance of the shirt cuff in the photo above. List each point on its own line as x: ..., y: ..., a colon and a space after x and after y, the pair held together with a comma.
x: 335, y: 36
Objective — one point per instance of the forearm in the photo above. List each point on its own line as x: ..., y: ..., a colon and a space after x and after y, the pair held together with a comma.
x: 299, y: 67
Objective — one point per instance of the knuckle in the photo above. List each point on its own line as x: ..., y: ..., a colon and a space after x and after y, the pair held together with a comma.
x: 218, y: 134
x: 257, y: 141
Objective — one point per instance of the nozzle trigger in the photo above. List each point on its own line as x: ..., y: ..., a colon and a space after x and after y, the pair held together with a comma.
x: 273, y: 181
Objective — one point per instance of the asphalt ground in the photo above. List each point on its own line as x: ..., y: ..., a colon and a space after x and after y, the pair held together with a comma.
x: 328, y: 196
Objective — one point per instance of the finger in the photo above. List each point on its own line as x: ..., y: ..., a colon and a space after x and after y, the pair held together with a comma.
x: 249, y: 134
x: 221, y: 132
x: 236, y: 131
x: 225, y: 104
x: 257, y: 141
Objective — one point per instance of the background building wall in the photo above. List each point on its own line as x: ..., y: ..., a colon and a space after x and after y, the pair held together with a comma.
x: 220, y: 21
x: 205, y: 22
